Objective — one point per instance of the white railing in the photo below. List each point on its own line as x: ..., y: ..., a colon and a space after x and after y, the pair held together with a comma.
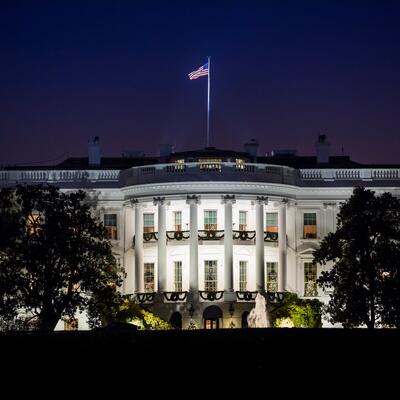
x: 350, y: 174
x: 52, y: 176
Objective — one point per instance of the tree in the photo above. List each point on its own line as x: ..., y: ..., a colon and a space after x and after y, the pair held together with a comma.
x: 56, y: 259
x: 365, y: 253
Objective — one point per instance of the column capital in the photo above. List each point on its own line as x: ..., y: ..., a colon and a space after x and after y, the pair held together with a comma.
x: 158, y: 201
x: 328, y: 204
x: 228, y: 198
x: 192, y: 199
x: 261, y: 200
x: 132, y: 202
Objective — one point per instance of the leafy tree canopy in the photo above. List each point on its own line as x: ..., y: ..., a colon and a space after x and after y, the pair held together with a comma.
x: 365, y: 252
x: 55, y: 258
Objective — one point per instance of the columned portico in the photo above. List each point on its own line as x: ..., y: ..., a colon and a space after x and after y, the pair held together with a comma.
x: 161, y: 244
x: 260, y: 269
x: 228, y: 248
x: 282, y: 246
x: 193, y: 201
x: 138, y: 247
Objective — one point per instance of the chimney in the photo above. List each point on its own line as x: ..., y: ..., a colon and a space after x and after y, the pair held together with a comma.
x: 322, y: 146
x: 166, y: 150
x: 251, y: 147
x: 94, y: 153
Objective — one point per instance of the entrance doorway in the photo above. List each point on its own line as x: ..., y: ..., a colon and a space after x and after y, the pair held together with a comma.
x: 211, y: 316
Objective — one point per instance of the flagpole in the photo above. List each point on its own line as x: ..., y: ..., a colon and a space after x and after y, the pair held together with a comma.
x: 208, y: 104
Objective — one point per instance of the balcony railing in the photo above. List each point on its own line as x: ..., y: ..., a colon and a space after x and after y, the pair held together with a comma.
x: 178, y: 235
x: 270, y: 236
x: 145, y: 297
x: 150, y: 236
x: 244, y: 235
x: 210, y: 235
x: 246, y: 295
x: 211, y: 295
x: 175, y: 296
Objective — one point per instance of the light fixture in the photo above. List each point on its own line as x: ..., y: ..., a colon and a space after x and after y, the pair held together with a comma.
x: 231, y: 310
x: 191, y: 310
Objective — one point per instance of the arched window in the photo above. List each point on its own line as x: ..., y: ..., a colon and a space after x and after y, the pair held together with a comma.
x: 211, y: 316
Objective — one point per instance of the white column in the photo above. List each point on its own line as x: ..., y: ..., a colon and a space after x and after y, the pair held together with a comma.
x: 282, y: 247
x: 228, y: 248
x: 129, y: 281
x: 161, y: 245
x: 194, y: 246
x: 260, y: 268
x: 138, y: 248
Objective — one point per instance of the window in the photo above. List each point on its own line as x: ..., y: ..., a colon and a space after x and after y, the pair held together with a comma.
x: 210, y: 220
x: 210, y: 276
x: 110, y: 223
x: 242, y: 276
x: 310, y: 226
x: 178, y: 220
x: 210, y: 164
x: 240, y: 163
x: 271, y: 222
x: 242, y: 220
x: 71, y: 325
x: 272, y: 276
x: 149, y: 277
x: 178, y: 276
x: 310, y: 279
x: 148, y: 223
x: 33, y: 222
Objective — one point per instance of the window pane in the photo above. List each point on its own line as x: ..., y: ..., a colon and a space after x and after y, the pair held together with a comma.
x: 178, y: 276
x: 210, y: 276
x: 310, y: 279
x: 272, y: 276
x: 210, y: 219
x: 271, y: 222
x: 178, y: 220
x: 148, y: 222
x: 242, y: 220
x: 310, y: 226
x: 110, y: 219
x: 242, y: 276
x: 149, y: 277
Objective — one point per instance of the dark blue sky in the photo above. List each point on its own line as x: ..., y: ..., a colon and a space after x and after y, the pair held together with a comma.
x: 282, y: 72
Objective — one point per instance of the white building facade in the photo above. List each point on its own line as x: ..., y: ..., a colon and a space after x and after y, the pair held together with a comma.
x: 200, y: 233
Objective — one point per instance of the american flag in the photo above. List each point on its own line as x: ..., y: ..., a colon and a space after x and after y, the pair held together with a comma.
x: 202, y: 71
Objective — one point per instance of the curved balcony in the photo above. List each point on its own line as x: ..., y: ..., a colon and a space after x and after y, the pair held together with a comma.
x: 210, y: 235
x: 178, y: 235
x: 244, y: 235
x: 213, y: 171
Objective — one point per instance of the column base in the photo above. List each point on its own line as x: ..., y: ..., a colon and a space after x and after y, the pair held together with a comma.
x: 229, y: 296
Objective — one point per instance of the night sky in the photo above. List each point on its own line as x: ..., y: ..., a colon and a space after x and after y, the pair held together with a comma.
x: 282, y: 72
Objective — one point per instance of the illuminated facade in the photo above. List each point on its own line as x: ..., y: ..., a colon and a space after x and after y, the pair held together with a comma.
x: 200, y: 232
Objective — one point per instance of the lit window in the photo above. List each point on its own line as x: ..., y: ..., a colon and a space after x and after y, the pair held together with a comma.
x: 178, y: 276
x: 110, y: 223
x: 239, y: 163
x: 149, y: 277
x: 178, y: 220
x: 310, y: 279
x: 210, y: 220
x: 310, y: 226
x: 272, y: 276
x: 242, y: 276
x: 179, y: 165
x: 71, y: 325
x: 242, y: 220
x: 210, y: 276
x: 210, y: 164
x: 33, y: 222
x: 271, y: 222
x: 148, y: 223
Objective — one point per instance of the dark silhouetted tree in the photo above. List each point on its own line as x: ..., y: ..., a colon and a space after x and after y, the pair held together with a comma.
x: 365, y: 251
x: 56, y: 258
